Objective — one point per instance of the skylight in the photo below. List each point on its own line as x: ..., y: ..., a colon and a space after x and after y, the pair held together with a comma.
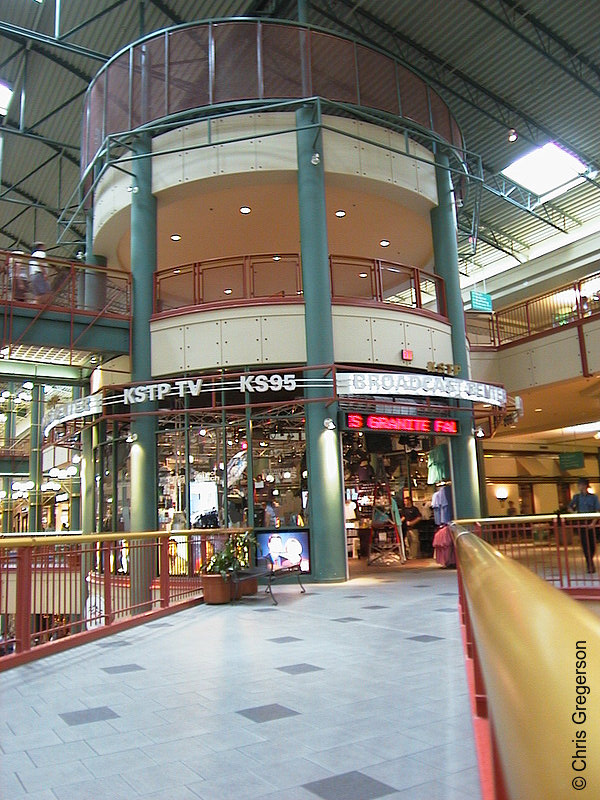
x: 547, y: 171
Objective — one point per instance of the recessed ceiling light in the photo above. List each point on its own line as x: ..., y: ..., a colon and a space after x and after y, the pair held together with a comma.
x: 384, y: 243
x: 227, y: 291
x: 340, y: 213
x: 537, y: 410
x: 175, y: 237
x: 512, y: 135
x: 363, y: 274
x: 176, y: 271
x: 245, y: 210
x: 276, y: 258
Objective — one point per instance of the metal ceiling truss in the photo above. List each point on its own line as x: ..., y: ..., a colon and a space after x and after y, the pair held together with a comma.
x: 9, y: 127
x: 91, y: 19
x: 490, y: 234
x: 544, y: 41
x: 553, y: 44
x: 15, y: 33
x: 437, y: 70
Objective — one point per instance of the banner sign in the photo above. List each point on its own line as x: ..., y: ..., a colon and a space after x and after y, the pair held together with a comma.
x: 419, y: 385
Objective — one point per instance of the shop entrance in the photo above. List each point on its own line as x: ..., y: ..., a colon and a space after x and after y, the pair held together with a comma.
x: 393, y: 481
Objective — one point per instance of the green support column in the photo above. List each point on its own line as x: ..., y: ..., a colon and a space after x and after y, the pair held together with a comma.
x: 325, y: 474
x: 9, y: 435
x: 35, y: 460
x: 86, y: 469
x: 144, y: 494
x: 462, y: 447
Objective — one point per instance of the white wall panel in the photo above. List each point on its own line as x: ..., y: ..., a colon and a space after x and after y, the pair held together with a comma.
x: 167, y: 170
x: 202, y: 344
x: 351, y: 337
x: 241, y: 340
x: 283, y: 338
x: 168, y: 350
x: 591, y: 331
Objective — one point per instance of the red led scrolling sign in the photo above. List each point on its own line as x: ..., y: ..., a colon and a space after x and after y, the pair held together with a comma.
x: 383, y: 422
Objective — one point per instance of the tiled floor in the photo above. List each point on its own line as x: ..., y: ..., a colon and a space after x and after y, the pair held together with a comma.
x: 221, y: 702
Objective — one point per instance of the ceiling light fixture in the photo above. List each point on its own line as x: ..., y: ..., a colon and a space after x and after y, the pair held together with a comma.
x: 479, y: 433
x: 385, y: 242
x: 537, y: 410
x: 175, y: 237
x: 512, y: 135
x: 245, y: 209
x: 202, y: 432
x: 227, y: 291
x: 276, y: 258
x: 363, y: 274
x: 340, y: 213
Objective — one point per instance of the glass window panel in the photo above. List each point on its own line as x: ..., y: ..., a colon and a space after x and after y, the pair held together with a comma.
x: 222, y: 282
x: 275, y: 277
x: 352, y: 279
x: 413, y: 97
x: 398, y: 285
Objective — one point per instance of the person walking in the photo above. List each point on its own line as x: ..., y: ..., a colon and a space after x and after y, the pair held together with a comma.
x: 586, y: 502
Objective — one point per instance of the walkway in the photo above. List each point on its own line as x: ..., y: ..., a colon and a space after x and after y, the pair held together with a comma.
x: 349, y: 692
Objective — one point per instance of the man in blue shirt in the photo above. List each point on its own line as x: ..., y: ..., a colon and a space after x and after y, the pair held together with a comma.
x: 586, y: 502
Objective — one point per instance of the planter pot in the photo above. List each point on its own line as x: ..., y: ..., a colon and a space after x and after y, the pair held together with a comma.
x: 244, y: 586
x: 216, y: 590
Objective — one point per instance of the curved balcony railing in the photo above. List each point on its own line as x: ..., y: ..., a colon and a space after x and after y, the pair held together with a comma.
x: 278, y: 278
x: 228, y: 61
x: 551, y: 311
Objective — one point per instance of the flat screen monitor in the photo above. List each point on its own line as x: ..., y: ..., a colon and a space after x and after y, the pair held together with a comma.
x: 286, y: 547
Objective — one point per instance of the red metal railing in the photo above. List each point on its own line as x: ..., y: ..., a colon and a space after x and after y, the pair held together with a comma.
x: 552, y: 546
x: 553, y: 310
x: 277, y: 277
x: 58, y: 591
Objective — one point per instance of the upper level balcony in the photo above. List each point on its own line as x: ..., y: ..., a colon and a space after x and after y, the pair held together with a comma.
x: 251, y: 63
x: 277, y: 278
x: 60, y: 310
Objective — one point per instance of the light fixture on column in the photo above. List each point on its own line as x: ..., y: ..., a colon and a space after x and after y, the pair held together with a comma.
x: 132, y: 437
x: 501, y: 494
x: 315, y: 159
x: 479, y: 433
x: 329, y: 424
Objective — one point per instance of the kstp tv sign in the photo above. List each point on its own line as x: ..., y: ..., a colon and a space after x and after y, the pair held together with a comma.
x: 387, y: 424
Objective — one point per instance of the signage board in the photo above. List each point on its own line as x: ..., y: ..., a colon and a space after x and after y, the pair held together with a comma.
x: 574, y: 460
x: 387, y: 423
x: 418, y: 385
x: 481, y: 301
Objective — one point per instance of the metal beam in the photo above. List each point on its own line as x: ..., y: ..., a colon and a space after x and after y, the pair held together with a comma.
x: 8, y: 127
x: 438, y: 70
x: 54, y: 111
x: 576, y: 57
x: 17, y: 33
x: 91, y: 19
x: 539, y: 48
x: 15, y: 239
x: 36, y: 48
x: 35, y: 201
x: 165, y: 9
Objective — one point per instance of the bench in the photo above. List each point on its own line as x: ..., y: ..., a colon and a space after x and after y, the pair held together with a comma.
x: 270, y: 573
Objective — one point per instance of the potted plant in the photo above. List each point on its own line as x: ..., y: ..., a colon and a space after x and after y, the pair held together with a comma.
x: 217, y: 584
